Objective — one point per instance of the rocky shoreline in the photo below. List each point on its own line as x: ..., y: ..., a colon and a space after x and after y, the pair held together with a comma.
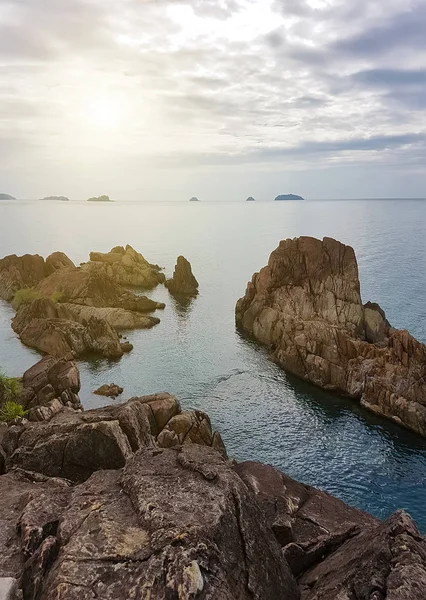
x: 305, y: 305
x: 69, y: 311
x: 139, y: 499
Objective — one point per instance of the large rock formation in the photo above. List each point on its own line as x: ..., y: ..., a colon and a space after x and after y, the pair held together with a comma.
x: 17, y: 272
x: 56, y: 261
x: 93, y: 288
x: 126, y: 267
x: 183, y: 282
x: 306, y: 306
x: 50, y: 328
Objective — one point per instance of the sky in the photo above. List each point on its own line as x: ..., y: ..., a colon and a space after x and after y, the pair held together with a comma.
x: 221, y: 99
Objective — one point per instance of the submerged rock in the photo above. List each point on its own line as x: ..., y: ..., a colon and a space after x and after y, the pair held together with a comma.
x: 112, y: 390
x: 126, y: 267
x: 183, y: 282
x: 306, y: 306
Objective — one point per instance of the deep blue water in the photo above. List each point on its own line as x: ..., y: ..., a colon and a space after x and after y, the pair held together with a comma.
x: 197, y: 354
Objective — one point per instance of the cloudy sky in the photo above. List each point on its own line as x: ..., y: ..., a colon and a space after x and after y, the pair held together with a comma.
x: 165, y: 99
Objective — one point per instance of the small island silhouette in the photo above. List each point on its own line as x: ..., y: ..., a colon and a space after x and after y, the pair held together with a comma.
x: 194, y: 199
x: 288, y: 197
x: 61, y: 198
x: 250, y: 199
x: 99, y: 199
x: 6, y: 197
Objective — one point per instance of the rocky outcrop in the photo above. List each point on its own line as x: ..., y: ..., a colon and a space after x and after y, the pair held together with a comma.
x: 91, y: 288
x: 111, y: 390
x: 45, y: 326
x: 6, y: 197
x: 306, y: 306
x: 126, y: 267
x: 56, y: 261
x: 48, y: 387
x: 103, y: 198
x: 283, y: 197
x: 119, y: 318
x: 141, y: 532
x: 183, y: 282
x: 18, y: 272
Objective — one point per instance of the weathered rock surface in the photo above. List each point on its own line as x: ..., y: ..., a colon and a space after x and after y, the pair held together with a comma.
x: 18, y: 272
x: 111, y: 390
x: 185, y: 527
x: 49, y: 386
x: 126, y: 267
x: 92, y: 288
x: 306, y: 306
x: 58, y: 260
x: 119, y: 318
x: 45, y: 325
x: 75, y: 444
x: 183, y: 282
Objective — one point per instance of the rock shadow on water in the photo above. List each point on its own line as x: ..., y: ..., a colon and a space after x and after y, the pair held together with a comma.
x: 183, y: 305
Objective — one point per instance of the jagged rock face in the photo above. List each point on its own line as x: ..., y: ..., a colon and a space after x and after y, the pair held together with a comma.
x: 58, y: 260
x: 126, y: 267
x: 90, y: 288
x: 119, y: 318
x: 18, y: 272
x: 335, y: 551
x: 183, y: 282
x: 306, y: 306
x: 174, y: 523
x: 75, y: 444
x: 48, y: 386
x: 45, y: 325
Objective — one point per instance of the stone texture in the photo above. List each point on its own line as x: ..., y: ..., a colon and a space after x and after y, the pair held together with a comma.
x: 41, y: 325
x: 119, y: 318
x: 89, y: 287
x: 18, y: 272
x: 112, y: 390
x: 56, y: 261
x: 126, y: 267
x: 183, y: 282
x: 306, y: 306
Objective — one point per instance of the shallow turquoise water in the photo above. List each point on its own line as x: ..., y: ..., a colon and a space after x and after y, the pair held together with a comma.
x: 197, y: 354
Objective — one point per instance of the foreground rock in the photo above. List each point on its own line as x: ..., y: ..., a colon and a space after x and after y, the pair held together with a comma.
x: 48, y: 327
x: 183, y: 282
x: 126, y: 267
x: 143, y: 532
x: 306, y: 306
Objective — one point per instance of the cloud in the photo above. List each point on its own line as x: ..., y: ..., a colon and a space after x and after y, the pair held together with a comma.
x: 210, y: 83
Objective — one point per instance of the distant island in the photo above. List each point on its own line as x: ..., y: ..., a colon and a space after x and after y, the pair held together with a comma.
x: 62, y: 198
x: 6, y: 197
x: 250, y: 199
x: 99, y: 199
x: 289, y: 197
x: 194, y: 199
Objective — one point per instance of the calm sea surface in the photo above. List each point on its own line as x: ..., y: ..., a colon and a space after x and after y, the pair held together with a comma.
x: 196, y: 353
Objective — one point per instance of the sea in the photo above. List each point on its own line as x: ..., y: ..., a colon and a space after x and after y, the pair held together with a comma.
x: 196, y: 353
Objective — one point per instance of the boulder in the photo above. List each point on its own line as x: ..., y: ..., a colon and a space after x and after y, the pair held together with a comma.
x: 43, y: 325
x: 119, y: 318
x: 305, y: 305
x: 126, y: 267
x: 56, y: 261
x: 18, y: 272
x: 89, y: 287
x: 112, y: 390
x: 183, y: 282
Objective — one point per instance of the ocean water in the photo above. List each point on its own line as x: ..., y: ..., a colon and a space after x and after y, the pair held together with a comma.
x: 197, y: 354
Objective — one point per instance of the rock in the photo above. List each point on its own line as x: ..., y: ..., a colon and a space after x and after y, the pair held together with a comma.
x: 126, y: 267
x: 250, y: 199
x: 126, y: 347
x: 288, y: 197
x: 387, y: 562
x: 49, y: 386
x: 183, y: 282
x: 118, y: 318
x: 193, y: 199
x: 112, y: 390
x: 175, y: 523
x: 18, y: 272
x: 61, y: 198
x: 56, y: 261
x: 8, y: 585
x: 75, y: 444
x: 91, y: 288
x: 6, y: 197
x: 306, y: 306
x: 41, y: 325
x: 190, y: 427
x: 99, y: 199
